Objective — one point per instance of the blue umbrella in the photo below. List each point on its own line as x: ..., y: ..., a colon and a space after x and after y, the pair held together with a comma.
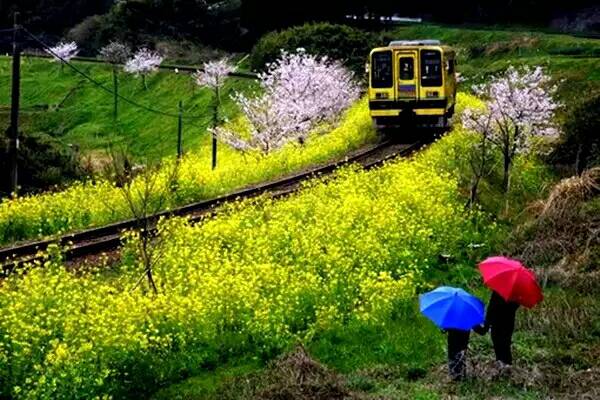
x: 452, y: 308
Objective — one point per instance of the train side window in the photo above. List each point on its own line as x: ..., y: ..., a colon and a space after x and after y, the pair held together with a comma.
x: 431, y: 68
x: 381, y: 69
x: 407, y: 68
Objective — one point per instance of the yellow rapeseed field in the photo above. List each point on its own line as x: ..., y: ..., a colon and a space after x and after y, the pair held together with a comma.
x: 89, y: 204
x: 260, y: 276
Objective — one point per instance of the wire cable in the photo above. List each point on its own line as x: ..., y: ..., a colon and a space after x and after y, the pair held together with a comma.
x: 104, y: 88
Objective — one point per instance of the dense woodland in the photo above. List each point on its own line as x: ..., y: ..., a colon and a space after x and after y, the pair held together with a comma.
x: 225, y: 22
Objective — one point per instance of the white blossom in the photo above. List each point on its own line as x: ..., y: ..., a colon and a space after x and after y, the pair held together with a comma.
x: 143, y: 62
x: 269, y: 128
x: 115, y: 53
x: 213, y: 73
x: 63, y: 51
x: 299, y: 91
x: 520, y: 104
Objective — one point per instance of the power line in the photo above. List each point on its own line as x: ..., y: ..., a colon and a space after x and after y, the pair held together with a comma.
x: 104, y: 88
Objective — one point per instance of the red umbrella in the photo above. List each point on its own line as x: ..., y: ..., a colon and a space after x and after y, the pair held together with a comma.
x: 511, y: 280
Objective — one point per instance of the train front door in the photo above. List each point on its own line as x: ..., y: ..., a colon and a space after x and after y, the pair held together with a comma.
x: 407, y: 85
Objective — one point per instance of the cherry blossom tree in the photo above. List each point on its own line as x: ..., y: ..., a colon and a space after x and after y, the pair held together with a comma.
x: 143, y: 63
x: 299, y: 91
x: 312, y: 89
x: 63, y: 52
x: 479, y: 156
x: 270, y: 128
x: 519, y: 107
x: 213, y: 75
x: 115, y: 53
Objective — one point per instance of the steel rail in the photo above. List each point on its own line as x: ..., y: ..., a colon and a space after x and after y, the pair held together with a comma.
x: 106, y: 238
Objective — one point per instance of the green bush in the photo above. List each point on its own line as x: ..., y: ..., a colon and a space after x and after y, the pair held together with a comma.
x: 339, y: 42
x: 580, y: 145
x: 44, y: 162
x: 92, y: 33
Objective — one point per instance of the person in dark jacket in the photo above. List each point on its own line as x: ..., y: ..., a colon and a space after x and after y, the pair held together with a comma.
x: 458, y: 342
x: 500, y: 318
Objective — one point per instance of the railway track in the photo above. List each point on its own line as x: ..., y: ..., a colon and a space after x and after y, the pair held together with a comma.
x: 108, y: 238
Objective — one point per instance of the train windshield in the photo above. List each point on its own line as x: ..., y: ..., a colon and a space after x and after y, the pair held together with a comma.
x: 431, y: 68
x: 381, y: 70
x: 407, y: 69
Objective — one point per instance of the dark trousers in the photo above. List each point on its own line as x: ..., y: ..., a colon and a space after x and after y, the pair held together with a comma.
x: 458, y: 341
x: 502, y: 340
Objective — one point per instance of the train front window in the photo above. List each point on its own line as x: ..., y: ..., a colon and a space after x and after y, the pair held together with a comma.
x: 431, y: 68
x: 407, y: 68
x: 381, y: 70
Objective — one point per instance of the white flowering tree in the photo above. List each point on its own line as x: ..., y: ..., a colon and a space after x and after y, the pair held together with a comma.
x: 270, y: 128
x: 63, y: 52
x: 143, y: 63
x: 519, y: 107
x: 299, y: 91
x: 213, y: 75
x: 115, y: 53
x: 480, y: 157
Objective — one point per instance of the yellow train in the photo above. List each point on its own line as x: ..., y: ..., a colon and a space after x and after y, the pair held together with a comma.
x: 412, y: 81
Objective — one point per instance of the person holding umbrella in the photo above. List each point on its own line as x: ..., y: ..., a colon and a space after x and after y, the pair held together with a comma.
x: 456, y: 312
x: 512, y: 285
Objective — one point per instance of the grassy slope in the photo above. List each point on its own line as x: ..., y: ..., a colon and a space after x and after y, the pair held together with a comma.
x: 573, y: 62
x: 85, y: 118
x: 406, y: 359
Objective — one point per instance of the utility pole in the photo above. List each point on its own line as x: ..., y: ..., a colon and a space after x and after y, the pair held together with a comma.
x: 180, y: 131
x: 215, y: 123
x: 13, y: 133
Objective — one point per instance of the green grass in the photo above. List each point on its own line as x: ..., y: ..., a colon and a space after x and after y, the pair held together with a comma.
x: 573, y: 62
x: 82, y: 114
x: 406, y: 358
x: 85, y: 117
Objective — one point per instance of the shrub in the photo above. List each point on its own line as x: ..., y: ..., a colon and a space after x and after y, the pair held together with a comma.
x: 44, y: 162
x: 580, y: 145
x: 339, y: 42
x: 91, y: 33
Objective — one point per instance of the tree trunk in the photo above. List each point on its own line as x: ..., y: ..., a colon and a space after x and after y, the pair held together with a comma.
x: 474, y: 188
x: 506, y: 176
x: 147, y: 260
x: 116, y: 94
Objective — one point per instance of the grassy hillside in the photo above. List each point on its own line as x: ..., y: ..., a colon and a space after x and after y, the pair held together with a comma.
x: 573, y: 62
x: 81, y: 114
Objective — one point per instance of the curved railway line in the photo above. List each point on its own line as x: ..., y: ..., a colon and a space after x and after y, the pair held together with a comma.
x: 108, y: 238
